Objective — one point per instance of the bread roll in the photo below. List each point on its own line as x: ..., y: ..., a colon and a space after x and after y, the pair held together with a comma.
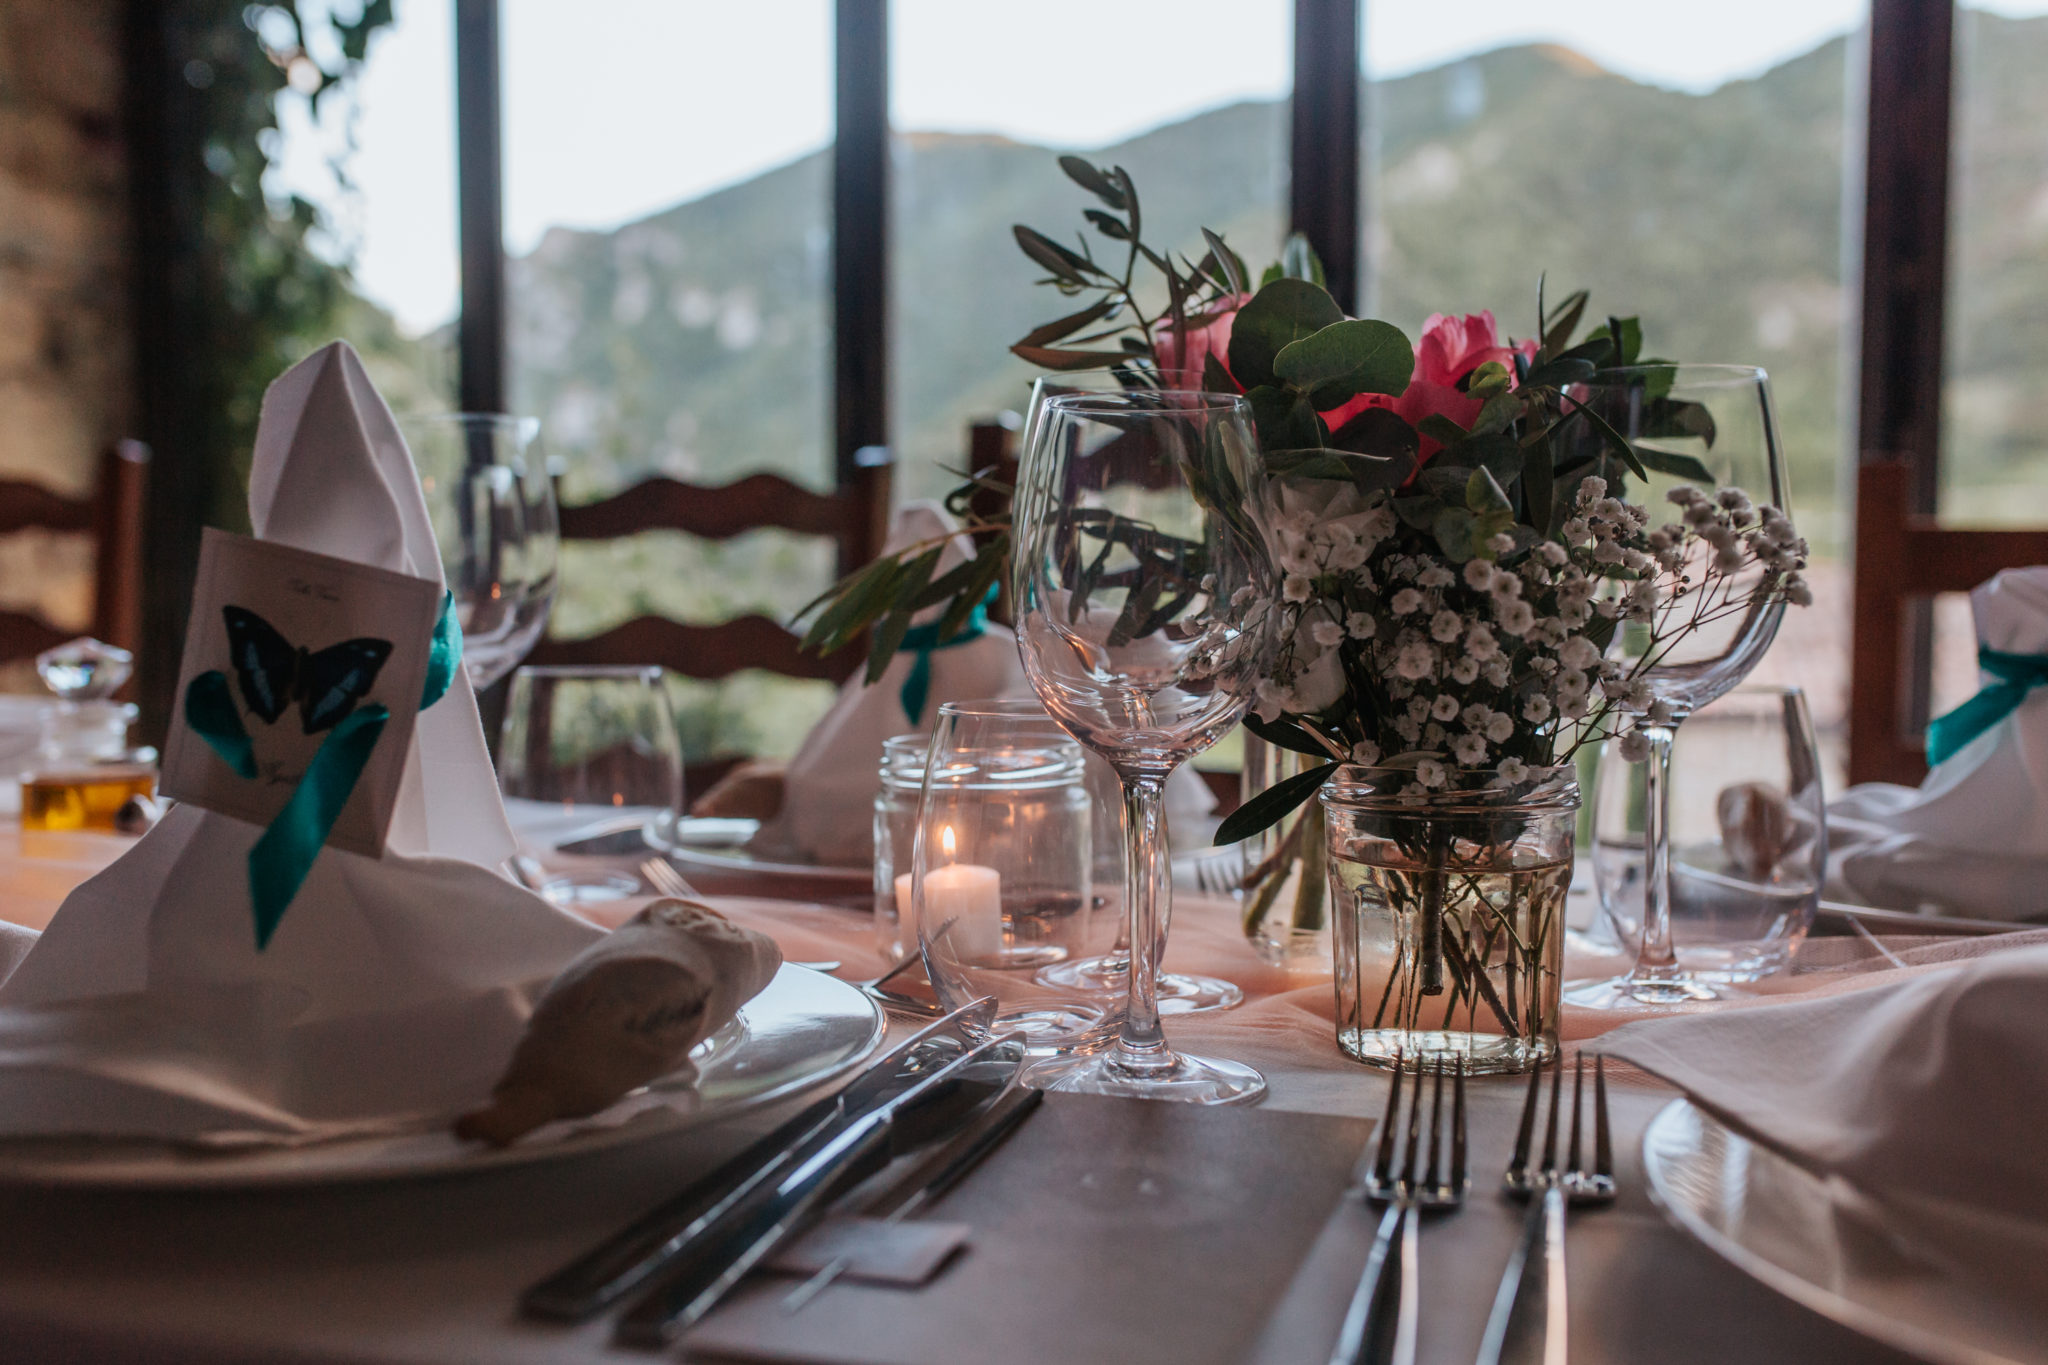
x: 626, y: 1011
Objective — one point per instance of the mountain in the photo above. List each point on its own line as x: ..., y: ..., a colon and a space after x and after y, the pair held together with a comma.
x: 696, y: 341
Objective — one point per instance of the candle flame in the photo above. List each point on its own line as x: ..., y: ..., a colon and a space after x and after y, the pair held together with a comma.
x: 946, y: 841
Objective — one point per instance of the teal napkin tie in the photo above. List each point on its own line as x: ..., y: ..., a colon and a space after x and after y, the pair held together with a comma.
x: 2017, y: 675
x: 922, y: 642
x: 282, y: 857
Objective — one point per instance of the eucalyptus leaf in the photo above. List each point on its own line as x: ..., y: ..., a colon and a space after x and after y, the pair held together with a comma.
x: 1677, y: 465
x: 1484, y: 494
x: 1232, y: 264
x: 1559, y: 325
x: 1441, y: 429
x: 1049, y: 358
x: 1280, y: 314
x: 1456, y: 531
x: 1300, y: 262
x: 1419, y: 511
x: 1562, y: 371
x: 1061, y: 328
x: 1093, y: 179
x: 1378, y: 431
x: 1109, y: 225
x: 1348, y: 358
x: 1285, y: 734
x: 1271, y: 273
x: 1272, y: 804
x: 1216, y: 379
x: 1064, y: 264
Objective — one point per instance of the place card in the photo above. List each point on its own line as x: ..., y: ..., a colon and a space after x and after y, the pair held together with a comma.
x: 283, y: 648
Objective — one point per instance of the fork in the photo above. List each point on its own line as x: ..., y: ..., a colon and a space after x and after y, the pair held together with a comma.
x: 1370, y: 1336
x: 661, y: 874
x: 1528, y: 1325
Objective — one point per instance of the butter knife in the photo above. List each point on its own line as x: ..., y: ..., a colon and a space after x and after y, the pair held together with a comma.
x: 608, y: 1272
x: 712, y: 1261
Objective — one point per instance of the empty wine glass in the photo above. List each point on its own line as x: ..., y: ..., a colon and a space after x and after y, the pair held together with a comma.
x: 1710, y: 427
x: 1143, y: 595
x: 1748, y: 831
x: 493, y: 508
x: 1179, y: 992
x: 600, y: 745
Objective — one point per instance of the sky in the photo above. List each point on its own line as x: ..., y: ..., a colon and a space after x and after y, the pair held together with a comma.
x: 615, y: 109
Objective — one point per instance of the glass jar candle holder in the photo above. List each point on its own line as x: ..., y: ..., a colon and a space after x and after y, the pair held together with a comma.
x: 896, y: 801
x: 1000, y: 875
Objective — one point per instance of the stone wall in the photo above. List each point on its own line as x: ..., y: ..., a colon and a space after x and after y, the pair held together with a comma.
x: 64, y: 340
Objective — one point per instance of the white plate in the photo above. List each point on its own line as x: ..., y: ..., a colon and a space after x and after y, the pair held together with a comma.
x: 1935, y: 1281
x: 803, y: 1030
x: 720, y: 845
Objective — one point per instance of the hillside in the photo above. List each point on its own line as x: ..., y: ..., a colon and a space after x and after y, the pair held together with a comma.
x: 696, y: 340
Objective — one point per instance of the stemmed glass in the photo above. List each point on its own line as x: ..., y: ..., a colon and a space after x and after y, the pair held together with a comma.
x: 1179, y: 992
x: 493, y: 507
x: 1710, y: 426
x: 1143, y: 597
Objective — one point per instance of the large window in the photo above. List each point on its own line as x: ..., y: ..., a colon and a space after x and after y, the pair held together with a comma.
x: 667, y: 230
x: 1994, y: 457
x: 983, y: 98
x: 1685, y: 164
x: 378, y: 157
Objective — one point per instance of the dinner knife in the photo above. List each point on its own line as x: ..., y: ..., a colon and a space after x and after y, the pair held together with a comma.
x: 930, y: 1178
x: 710, y: 1263
x: 604, y: 1275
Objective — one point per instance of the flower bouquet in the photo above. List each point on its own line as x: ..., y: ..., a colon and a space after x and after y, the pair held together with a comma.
x: 1467, y: 597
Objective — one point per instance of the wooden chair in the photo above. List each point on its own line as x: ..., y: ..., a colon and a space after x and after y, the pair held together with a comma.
x: 112, y: 515
x: 1903, y: 557
x: 855, y: 517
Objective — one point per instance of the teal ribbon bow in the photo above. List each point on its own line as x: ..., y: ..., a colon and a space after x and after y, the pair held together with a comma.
x: 282, y: 857
x: 922, y: 642
x: 2017, y: 675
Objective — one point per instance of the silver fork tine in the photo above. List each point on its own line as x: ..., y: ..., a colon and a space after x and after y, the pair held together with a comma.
x: 1518, y: 1164
x: 1436, y: 1130
x: 1383, y: 1165
x: 1458, y: 1130
x: 1407, y: 1181
x: 1578, y: 1088
x: 1603, y: 1151
x: 1550, y: 1130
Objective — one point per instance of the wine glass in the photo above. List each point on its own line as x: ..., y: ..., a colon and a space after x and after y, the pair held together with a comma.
x: 1711, y: 427
x: 599, y: 744
x: 493, y: 508
x: 1748, y: 831
x: 1179, y: 992
x: 1144, y: 597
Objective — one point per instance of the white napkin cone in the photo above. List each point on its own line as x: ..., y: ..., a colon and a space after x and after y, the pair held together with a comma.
x: 394, y: 989
x: 1972, y: 839
x: 1930, y: 1087
x: 828, y: 791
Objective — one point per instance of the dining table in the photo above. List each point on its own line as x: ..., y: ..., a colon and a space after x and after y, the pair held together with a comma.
x: 1104, y: 1229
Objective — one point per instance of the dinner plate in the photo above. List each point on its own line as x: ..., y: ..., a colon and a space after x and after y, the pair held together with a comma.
x: 1933, y: 1279
x: 805, y: 1029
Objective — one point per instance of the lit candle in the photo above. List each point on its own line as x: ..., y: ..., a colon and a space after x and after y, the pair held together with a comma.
x: 970, y: 896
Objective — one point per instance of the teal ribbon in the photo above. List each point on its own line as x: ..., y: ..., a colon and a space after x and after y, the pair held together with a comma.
x: 2016, y: 674
x: 922, y: 642
x: 282, y: 857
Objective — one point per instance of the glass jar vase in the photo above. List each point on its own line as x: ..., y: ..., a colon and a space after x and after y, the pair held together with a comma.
x: 1448, y: 914
x: 1282, y: 889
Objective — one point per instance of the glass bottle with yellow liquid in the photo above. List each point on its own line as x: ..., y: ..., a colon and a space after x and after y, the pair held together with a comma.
x: 84, y: 771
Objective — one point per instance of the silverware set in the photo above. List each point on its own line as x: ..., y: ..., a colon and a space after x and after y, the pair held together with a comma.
x: 942, y: 1100
x: 1420, y: 1165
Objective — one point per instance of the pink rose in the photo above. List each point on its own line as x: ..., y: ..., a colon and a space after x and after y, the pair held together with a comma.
x: 1183, y: 364
x: 1450, y: 349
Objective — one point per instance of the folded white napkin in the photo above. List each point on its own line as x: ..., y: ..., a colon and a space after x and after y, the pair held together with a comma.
x: 1932, y: 1086
x: 394, y: 989
x: 828, y: 792
x: 1972, y: 839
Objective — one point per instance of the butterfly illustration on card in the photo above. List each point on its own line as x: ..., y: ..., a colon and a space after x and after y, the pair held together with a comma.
x: 274, y: 674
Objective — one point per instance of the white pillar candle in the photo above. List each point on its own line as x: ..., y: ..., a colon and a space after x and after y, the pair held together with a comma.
x: 969, y: 895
